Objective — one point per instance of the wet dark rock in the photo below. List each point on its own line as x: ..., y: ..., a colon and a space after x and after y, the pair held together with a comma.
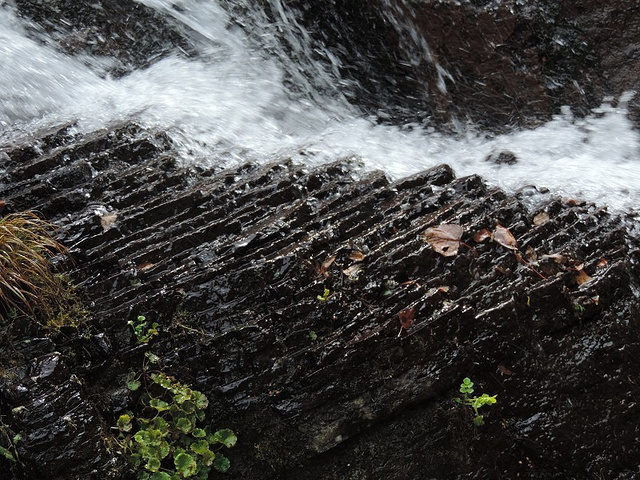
x: 503, y: 158
x: 231, y: 263
x: 125, y: 33
x: 497, y: 64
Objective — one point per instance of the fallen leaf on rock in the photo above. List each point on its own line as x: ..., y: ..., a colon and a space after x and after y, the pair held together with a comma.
x: 541, y: 218
x: 357, y: 256
x: 406, y: 318
x: 323, y: 269
x: 582, y: 277
x: 504, y: 237
x: 353, y: 271
x: 444, y: 239
x: 108, y: 220
x: 482, y: 235
x: 556, y: 257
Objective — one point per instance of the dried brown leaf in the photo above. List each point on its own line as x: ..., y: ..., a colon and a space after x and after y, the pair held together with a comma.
x: 504, y: 237
x: 353, y: 271
x: 504, y: 370
x: 582, y: 277
x: 357, y: 256
x: 482, y: 235
x: 541, y: 218
x: 323, y: 269
x: 602, y: 263
x: 444, y: 239
x: 406, y: 318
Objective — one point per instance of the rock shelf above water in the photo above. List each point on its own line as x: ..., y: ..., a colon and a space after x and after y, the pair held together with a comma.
x: 233, y: 264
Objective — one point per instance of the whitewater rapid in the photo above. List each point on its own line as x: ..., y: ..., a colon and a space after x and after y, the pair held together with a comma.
x: 230, y: 104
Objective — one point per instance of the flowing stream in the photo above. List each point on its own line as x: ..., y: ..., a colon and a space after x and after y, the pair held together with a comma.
x: 245, y: 96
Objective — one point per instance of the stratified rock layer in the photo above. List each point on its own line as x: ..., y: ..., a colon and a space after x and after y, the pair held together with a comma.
x: 280, y: 290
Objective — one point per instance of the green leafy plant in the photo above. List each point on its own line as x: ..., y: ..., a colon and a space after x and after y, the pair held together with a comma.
x: 10, y: 440
x: 165, y: 440
x: 142, y: 331
x: 466, y: 389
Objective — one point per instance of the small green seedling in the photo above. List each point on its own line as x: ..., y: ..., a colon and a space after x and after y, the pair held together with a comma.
x: 466, y: 389
x: 142, y: 332
x: 325, y: 295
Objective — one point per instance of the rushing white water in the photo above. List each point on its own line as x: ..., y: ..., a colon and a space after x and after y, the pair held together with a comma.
x: 230, y: 104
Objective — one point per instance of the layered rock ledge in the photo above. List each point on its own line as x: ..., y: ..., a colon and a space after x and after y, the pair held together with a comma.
x: 233, y: 264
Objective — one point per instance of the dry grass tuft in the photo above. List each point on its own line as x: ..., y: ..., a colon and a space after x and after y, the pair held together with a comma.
x: 28, y: 283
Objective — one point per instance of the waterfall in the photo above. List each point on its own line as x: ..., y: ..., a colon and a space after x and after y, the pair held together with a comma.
x: 260, y: 88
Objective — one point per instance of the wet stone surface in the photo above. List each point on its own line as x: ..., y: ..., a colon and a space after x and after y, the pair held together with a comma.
x: 281, y: 290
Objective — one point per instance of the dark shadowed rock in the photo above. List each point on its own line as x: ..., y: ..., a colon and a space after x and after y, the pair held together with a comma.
x: 127, y: 33
x: 233, y: 264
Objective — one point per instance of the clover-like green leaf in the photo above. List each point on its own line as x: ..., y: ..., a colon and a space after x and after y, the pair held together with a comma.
x: 185, y: 464
x: 208, y: 457
x: 200, y: 447
x: 200, y: 399
x: 466, y: 386
x: 221, y: 463
x: 199, y: 433
x: 161, y: 379
x: 124, y: 423
x: 160, y: 476
x: 133, y: 385
x: 226, y: 437
x: 153, y: 464
x: 158, y: 404
x: 184, y: 425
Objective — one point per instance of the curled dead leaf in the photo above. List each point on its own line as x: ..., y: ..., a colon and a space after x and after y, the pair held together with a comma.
x: 406, y: 318
x: 482, y: 235
x: 444, y: 239
x: 357, y: 256
x: 323, y: 269
x: 353, y: 271
x: 582, y: 277
x: 504, y: 237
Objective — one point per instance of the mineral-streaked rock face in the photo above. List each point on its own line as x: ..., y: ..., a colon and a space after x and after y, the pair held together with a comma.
x: 233, y: 264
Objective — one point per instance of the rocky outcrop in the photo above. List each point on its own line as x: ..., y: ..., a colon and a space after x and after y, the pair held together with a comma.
x: 497, y: 64
x: 306, y: 303
x: 126, y: 34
